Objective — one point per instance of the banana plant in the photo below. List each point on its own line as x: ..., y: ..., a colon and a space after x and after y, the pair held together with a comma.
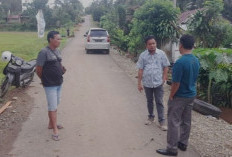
x: 210, y: 62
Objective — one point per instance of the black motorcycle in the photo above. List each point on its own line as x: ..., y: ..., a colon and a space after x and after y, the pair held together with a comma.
x: 17, y: 72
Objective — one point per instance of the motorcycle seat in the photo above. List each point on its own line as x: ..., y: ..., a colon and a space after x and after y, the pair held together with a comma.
x: 28, y: 66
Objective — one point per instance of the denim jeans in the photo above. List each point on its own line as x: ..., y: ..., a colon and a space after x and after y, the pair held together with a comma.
x: 158, y: 93
x: 53, y: 97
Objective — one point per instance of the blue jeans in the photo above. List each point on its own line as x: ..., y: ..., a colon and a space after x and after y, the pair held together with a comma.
x: 158, y: 93
x: 53, y: 97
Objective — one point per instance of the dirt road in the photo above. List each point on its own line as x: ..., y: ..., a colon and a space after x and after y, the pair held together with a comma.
x: 101, y: 110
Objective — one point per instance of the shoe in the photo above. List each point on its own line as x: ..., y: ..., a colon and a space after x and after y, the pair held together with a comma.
x: 182, y: 146
x: 166, y: 152
x: 55, y: 137
x: 149, y: 121
x: 163, y: 127
x: 58, y: 127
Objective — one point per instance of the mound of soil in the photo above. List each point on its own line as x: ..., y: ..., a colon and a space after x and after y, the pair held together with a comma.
x: 226, y: 114
x: 12, y: 118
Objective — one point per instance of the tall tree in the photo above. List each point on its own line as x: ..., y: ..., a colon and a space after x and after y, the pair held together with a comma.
x: 207, y: 25
x: 155, y: 17
x: 121, y: 16
x: 64, y: 13
x: 40, y: 4
x: 189, y: 4
x: 227, y: 12
x: 14, y: 6
x: 99, y: 8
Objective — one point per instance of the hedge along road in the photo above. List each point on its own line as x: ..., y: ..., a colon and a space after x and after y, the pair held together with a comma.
x: 101, y: 110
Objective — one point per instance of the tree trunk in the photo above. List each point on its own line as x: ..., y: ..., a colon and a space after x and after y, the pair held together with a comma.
x: 174, y: 3
x: 209, y: 91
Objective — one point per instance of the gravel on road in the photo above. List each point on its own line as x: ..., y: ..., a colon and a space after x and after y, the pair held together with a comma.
x: 210, y: 137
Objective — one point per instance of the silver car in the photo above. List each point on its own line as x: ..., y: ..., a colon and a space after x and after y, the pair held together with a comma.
x: 97, y: 39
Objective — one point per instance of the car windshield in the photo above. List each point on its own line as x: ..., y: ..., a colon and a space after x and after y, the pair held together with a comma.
x: 98, y: 33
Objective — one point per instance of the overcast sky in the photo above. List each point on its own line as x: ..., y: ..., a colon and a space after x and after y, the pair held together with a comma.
x: 84, y: 2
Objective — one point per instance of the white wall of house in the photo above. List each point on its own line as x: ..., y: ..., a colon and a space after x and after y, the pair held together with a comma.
x: 184, y: 27
x: 172, y: 51
x: 175, y: 52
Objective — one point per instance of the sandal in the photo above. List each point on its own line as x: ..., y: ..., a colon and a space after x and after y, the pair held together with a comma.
x: 55, y: 137
x: 58, y: 127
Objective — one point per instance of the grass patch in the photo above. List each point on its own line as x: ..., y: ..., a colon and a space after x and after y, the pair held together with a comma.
x: 22, y: 44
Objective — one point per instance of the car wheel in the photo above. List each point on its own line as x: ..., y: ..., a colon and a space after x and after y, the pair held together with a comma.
x: 87, y: 51
x: 107, y: 51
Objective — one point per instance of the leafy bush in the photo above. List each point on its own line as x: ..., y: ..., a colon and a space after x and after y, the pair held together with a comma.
x: 116, y: 34
x: 155, y: 17
x: 215, y: 76
x: 120, y: 39
x: 208, y: 26
x: 227, y: 39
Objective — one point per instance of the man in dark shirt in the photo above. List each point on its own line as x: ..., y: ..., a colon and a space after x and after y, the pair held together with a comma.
x: 50, y: 71
x: 183, y: 91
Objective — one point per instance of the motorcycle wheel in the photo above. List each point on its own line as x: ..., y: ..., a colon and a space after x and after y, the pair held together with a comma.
x: 30, y: 80
x: 4, y: 87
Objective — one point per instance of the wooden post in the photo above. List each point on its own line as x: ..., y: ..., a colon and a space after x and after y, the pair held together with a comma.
x: 5, y: 106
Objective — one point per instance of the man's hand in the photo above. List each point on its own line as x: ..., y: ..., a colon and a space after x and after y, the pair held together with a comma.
x: 164, y: 80
x: 39, y: 70
x: 140, y: 75
x: 170, y: 98
x: 140, y: 88
x: 174, y: 88
x: 64, y: 69
x: 165, y: 74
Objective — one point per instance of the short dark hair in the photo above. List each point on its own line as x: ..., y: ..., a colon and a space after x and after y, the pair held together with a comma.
x: 187, y: 41
x: 52, y: 34
x: 148, y: 38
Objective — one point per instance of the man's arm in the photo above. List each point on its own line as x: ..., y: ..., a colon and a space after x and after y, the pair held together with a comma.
x: 165, y: 74
x: 39, y: 70
x: 165, y: 64
x: 175, y: 86
x: 140, y: 76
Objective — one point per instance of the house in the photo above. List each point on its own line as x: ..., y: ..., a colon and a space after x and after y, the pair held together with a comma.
x: 184, y: 18
x: 172, y: 47
x: 14, y: 19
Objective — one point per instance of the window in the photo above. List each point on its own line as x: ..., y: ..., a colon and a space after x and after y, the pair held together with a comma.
x: 98, y: 33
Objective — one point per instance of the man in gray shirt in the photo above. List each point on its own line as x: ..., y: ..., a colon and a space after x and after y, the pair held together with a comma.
x: 153, y: 68
x: 50, y: 71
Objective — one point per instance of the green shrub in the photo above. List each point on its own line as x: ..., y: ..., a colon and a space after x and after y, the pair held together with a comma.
x: 215, y: 77
x: 119, y: 39
x: 155, y: 17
